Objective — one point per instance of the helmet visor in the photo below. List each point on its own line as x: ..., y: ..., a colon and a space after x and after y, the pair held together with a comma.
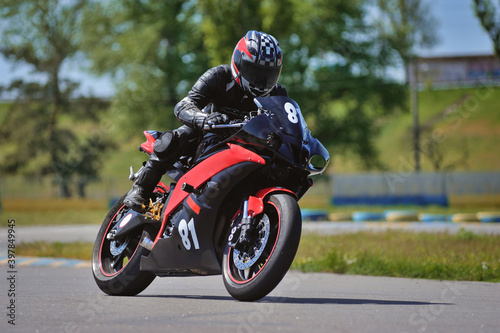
x: 260, y: 76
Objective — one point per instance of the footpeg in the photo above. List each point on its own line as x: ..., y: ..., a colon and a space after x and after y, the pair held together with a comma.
x: 133, y: 176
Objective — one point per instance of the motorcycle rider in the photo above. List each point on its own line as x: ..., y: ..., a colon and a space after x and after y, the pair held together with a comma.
x: 221, y: 94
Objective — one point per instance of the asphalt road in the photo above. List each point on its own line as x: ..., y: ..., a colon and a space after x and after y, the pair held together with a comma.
x: 67, y: 300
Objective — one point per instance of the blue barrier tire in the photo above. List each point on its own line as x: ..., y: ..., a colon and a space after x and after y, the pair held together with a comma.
x: 367, y: 216
x: 433, y: 218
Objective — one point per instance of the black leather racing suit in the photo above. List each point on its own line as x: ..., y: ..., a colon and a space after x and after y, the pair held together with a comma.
x: 215, y: 91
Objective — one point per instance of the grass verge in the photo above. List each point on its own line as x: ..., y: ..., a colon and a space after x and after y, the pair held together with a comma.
x: 28, y: 212
x: 463, y: 256
x: 76, y: 250
x: 54, y: 217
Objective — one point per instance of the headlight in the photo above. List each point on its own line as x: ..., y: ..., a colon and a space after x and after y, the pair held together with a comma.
x: 317, y: 163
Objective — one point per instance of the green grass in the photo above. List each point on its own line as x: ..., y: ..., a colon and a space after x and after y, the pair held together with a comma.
x: 4, y: 108
x: 28, y: 212
x: 464, y: 256
x: 77, y: 250
x: 54, y: 217
x: 467, y: 137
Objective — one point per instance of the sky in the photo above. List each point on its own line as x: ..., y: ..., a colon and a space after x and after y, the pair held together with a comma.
x: 459, y: 33
x: 459, y: 30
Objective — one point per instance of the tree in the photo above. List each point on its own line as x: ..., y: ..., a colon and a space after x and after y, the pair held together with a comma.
x: 44, y: 34
x: 45, y: 43
x: 330, y: 55
x: 224, y: 22
x: 154, y: 51
x: 27, y: 145
x: 334, y: 57
x: 487, y: 13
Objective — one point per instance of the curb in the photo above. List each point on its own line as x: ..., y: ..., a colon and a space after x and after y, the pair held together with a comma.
x: 46, y: 262
x: 313, y: 214
x: 400, y: 216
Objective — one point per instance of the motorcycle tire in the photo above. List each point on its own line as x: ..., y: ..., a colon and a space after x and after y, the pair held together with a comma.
x: 282, y: 236
x: 119, y: 274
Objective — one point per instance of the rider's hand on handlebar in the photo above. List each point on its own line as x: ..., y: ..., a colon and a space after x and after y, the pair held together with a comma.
x: 216, y: 118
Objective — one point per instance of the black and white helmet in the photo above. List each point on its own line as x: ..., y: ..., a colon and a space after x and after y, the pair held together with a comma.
x: 256, y: 63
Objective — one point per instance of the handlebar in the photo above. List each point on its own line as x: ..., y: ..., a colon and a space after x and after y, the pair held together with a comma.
x: 252, y: 114
x: 208, y: 127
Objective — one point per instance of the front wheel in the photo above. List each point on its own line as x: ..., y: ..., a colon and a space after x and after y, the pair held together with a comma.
x: 252, y: 273
x: 116, y: 262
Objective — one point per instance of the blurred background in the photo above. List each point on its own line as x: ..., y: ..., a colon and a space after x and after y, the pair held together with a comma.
x: 404, y: 94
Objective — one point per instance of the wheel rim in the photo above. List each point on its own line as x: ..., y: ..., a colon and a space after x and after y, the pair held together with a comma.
x: 245, y: 265
x: 115, y: 254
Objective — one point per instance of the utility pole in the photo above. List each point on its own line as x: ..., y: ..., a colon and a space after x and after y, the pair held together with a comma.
x: 414, y: 111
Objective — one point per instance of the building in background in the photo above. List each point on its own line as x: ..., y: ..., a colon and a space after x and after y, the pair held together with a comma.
x: 456, y: 71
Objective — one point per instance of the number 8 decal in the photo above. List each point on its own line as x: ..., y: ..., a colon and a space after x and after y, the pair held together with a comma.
x: 292, y: 112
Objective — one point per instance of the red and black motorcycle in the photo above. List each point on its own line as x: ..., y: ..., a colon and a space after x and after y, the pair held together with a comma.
x: 232, y: 209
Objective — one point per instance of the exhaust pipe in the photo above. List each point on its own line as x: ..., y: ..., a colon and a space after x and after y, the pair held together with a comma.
x: 146, y: 242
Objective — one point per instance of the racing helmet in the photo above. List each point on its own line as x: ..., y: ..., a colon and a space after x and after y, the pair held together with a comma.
x: 256, y: 63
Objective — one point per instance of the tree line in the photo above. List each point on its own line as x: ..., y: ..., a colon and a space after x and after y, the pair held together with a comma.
x: 338, y: 56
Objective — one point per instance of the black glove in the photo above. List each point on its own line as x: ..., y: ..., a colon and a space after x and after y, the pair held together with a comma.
x: 216, y: 118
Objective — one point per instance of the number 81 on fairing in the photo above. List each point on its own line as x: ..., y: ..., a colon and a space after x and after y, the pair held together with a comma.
x: 185, y: 229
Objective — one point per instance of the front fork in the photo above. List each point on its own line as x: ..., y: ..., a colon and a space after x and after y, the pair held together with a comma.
x: 241, y: 234
x: 244, y: 238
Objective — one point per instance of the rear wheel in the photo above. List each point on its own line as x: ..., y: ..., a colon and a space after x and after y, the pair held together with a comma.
x: 251, y: 273
x: 116, y: 262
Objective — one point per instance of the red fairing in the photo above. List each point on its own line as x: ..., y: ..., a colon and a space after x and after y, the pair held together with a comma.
x: 256, y: 203
x: 161, y: 187
x: 202, y: 172
x: 148, y: 146
x: 265, y: 191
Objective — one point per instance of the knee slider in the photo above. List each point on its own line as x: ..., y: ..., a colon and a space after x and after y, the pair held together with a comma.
x: 166, y: 144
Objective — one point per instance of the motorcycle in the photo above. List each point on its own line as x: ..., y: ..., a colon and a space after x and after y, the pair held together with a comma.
x: 232, y: 209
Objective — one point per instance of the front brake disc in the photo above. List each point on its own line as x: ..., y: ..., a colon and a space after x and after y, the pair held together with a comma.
x: 245, y: 259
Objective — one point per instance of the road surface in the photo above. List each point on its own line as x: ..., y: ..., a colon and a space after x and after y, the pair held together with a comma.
x: 67, y: 300
x: 61, y: 297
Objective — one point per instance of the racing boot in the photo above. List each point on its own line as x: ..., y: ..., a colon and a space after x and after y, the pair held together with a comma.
x: 138, y: 197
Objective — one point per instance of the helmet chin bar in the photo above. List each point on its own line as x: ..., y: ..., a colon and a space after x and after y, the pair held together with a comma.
x: 259, y: 93
x: 253, y: 91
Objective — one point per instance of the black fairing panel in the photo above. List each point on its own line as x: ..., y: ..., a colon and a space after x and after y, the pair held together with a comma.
x: 173, y: 255
x: 283, y: 131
